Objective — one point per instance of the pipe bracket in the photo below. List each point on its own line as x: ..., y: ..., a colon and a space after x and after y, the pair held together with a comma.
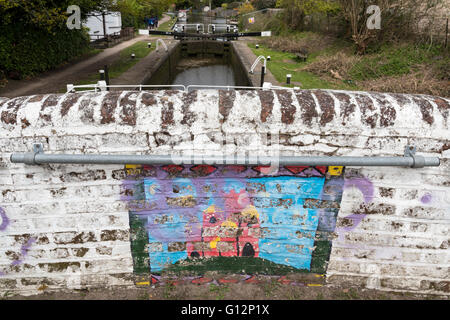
x: 418, y: 161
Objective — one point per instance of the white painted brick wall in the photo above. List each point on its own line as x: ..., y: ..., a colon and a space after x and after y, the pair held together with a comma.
x: 401, y: 244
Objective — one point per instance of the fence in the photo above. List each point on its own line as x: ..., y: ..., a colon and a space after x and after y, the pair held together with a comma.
x: 100, y: 41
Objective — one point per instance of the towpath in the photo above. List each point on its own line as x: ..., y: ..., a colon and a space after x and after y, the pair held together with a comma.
x: 56, y: 80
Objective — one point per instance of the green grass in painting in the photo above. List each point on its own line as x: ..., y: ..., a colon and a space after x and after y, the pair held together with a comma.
x: 320, y: 256
x: 230, y: 265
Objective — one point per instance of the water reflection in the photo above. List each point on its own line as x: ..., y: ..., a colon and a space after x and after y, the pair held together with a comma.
x: 215, y: 75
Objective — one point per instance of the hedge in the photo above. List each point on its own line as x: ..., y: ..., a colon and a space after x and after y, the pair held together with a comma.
x: 26, y: 50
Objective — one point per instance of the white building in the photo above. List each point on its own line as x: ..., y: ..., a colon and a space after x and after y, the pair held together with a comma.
x: 113, y: 24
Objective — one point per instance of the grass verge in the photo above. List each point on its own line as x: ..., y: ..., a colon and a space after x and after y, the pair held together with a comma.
x: 283, y: 63
x: 167, y: 26
x: 125, y: 62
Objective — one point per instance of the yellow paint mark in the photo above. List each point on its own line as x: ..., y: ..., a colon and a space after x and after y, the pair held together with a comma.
x: 250, y: 211
x: 132, y: 166
x: 133, y: 169
x: 335, y: 171
x: 213, y: 244
x: 315, y: 285
x: 319, y: 275
x: 145, y: 283
x: 229, y: 224
x: 211, y: 209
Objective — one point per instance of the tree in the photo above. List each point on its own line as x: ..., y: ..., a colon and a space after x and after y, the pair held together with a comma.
x: 246, y: 8
x: 396, y: 17
x: 46, y: 14
x: 264, y: 4
x: 297, y: 10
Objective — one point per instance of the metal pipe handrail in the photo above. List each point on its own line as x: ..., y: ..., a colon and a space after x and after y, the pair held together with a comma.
x: 252, y: 69
x: 96, y: 87
x: 225, y: 86
x: 238, y: 87
x: 408, y: 160
x: 163, y: 43
x: 71, y: 88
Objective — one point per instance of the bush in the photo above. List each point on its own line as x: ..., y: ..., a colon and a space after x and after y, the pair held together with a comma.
x: 263, y: 4
x: 27, y: 50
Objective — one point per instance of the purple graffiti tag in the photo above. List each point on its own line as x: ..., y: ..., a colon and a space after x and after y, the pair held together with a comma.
x: 366, y: 187
x: 356, y: 220
x: 24, y: 251
x: 5, y: 220
x: 362, y: 184
x: 426, y: 198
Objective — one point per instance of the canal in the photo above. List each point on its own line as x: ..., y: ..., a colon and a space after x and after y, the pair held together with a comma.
x: 202, y: 62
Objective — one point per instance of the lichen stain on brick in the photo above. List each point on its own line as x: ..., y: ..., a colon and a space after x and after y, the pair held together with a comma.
x: 326, y: 104
x: 51, y: 101
x: 68, y: 102
x: 167, y: 113
x: 170, y: 93
x: 266, y: 99
x: 74, y: 237
x: 104, y: 250
x: 60, y: 266
x: 347, y: 108
x: 148, y: 99
x: 371, y: 208
x: 83, y: 176
x: 307, y: 106
x: 345, y: 222
x: 36, y: 98
x: 9, y: 116
x: 108, y: 107
x: 387, y: 192
x: 226, y: 102
x: 443, y: 106
x: 367, y: 107
x: 58, y: 192
x: 80, y: 252
x: 426, y: 109
x: 114, y: 235
x: 288, y: 110
x: 388, y: 114
x: 128, y: 114
x: 86, y: 109
x: 25, y: 123
x: 188, y: 99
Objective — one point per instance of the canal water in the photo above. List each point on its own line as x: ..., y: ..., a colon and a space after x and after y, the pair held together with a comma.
x: 204, y: 71
x: 202, y: 62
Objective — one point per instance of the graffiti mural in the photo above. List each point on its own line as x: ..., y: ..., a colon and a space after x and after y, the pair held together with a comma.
x: 231, y: 218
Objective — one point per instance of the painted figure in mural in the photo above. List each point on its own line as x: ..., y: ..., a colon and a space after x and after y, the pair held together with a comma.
x: 193, y: 213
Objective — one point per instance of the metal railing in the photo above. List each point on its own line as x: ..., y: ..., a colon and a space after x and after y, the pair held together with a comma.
x: 101, y: 40
x: 102, y: 86
x: 410, y: 159
x: 163, y: 44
